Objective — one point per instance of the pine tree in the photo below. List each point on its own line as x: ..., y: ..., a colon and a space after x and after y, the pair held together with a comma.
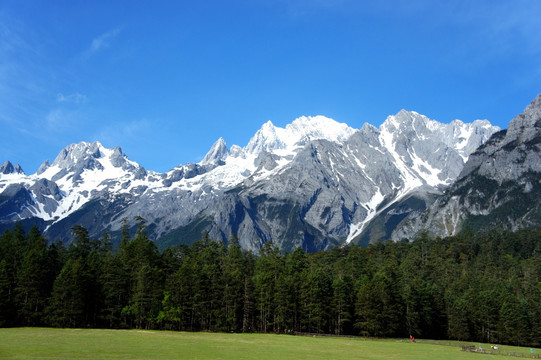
x: 233, y: 279
x: 9, y: 264
x: 248, y: 307
x: 140, y: 259
x: 33, y: 284
x: 68, y: 303
x: 265, y: 277
x: 5, y: 296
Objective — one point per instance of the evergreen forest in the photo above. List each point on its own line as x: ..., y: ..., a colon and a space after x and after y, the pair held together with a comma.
x: 470, y: 287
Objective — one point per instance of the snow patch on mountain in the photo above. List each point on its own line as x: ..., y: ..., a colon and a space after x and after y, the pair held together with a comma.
x: 365, y: 167
x: 297, y: 134
x: 387, y: 137
x: 240, y: 163
x: 371, y: 207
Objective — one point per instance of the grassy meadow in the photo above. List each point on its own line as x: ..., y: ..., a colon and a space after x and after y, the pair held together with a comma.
x: 46, y: 343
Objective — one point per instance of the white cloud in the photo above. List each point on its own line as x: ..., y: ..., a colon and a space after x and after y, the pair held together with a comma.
x: 59, y: 120
x: 102, y: 42
x: 124, y: 133
x: 75, y: 98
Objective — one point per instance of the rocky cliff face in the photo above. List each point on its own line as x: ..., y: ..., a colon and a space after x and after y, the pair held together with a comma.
x: 315, y: 183
x: 7, y: 168
x: 499, y: 186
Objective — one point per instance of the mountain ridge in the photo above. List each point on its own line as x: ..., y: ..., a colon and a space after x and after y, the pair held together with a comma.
x: 321, y: 180
x: 498, y: 187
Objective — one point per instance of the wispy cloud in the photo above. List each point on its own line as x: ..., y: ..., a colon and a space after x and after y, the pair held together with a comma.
x: 75, y: 98
x: 102, y: 42
x: 59, y: 123
x: 513, y: 24
x: 24, y: 75
x: 124, y: 132
x: 58, y: 120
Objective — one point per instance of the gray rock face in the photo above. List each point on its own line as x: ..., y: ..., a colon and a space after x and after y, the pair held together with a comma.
x: 43, y: 167
x: 78, y: 156
x: 432, y: 151
x: 118, y: 159
x: 8, y: 168
x: 512, y: 153
x: 315, y: 184
x: 217, y: 153
x: 14, y: 201
x: 330, y: 191
x: 499, y: 186
x: 46, y: 193
x: 525, y: 127
x: 265, y: 139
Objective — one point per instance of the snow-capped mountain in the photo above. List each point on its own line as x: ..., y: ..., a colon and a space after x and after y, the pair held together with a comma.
x: 499, y: 186
x: 315, y: 183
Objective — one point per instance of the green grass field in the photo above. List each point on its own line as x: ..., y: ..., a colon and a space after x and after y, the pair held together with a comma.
x: 38, y: 343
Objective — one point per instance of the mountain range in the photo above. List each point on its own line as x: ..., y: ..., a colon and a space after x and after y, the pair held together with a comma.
x: 315, y: 184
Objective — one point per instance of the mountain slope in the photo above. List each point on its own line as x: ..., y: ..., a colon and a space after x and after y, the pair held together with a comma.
x: 499, y: 186
x: 315, y: 183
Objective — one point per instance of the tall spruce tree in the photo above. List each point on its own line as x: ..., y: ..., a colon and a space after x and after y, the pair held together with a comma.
x: 33, y: 283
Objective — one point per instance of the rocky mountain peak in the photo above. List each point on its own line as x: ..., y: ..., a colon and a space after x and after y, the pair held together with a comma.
x: 313, y: 183
x: 308, y: 128
x: 117, y: 157
x: 75, y: 155
x: 18, y: 169
x: 218, y: 152
x: 297, y: 134
x: 498, y: 186
x: 464, y: 138
x: 8, y: 168
x: 265, y: 139
x: 43, y: 167
x: 526, y: 125
x: 402, y: 119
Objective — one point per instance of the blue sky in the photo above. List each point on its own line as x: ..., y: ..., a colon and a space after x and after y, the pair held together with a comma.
x: 165, y: 79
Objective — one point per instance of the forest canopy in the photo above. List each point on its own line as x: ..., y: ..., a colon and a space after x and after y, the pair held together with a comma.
x: 473, y: 287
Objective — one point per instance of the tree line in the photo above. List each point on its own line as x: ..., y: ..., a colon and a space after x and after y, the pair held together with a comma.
x: 471, y: 287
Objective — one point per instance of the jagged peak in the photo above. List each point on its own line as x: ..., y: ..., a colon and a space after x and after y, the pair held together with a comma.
x: 237, y: 152
x: 268, y: 125
x: 265, y: 139
x: 535, y: 105
x: 217, y: 152
x: 529, y: 117
x: 302, y: 130
x: 483, y: 123
x: 526, y: 125
x: 19, y: 169
x: 319, y: 127
x: 458, y: 122
x: 368, y: 128
x: 118, y: 150
x: 74, y: 152
x: 405, y: 118
x: 88, y: 155
x: 8, y: 168
x: 43, y: 167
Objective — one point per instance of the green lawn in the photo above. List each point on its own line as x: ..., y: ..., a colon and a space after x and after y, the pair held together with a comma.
x: 37, y: 343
